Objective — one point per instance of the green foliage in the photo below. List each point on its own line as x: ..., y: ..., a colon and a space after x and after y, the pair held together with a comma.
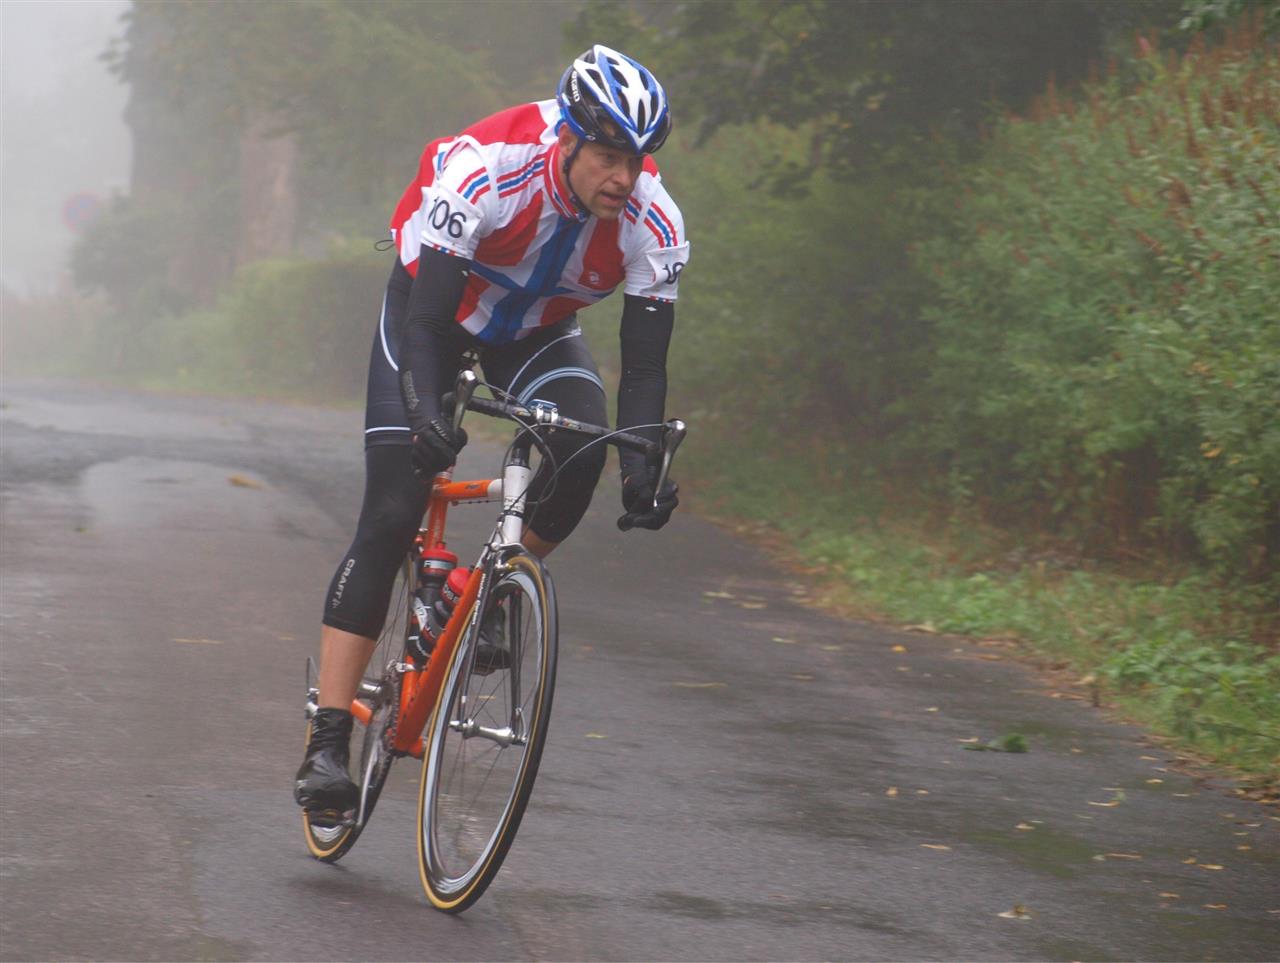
x: 864, y: 76
x: 1224, y: 697
x: 301, y: 327
x: 283, y: 328
x: 1200, y: 15
x: 1106, y: 345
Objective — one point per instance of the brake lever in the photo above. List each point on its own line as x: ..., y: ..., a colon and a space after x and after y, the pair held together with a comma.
x: 673, y: 433
x: 464, y: 388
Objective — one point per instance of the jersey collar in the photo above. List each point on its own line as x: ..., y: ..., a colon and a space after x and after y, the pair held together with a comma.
x: 558, y: 190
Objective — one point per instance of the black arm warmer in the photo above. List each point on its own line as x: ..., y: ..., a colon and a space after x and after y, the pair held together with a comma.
x: 430, y: 323
x: 642, y: 390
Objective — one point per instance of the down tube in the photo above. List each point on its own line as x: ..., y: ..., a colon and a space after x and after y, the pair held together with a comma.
x: 421, y: 691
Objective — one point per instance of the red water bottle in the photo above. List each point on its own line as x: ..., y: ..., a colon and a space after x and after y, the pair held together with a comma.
x: 437, y: 564
x: 455, y: 585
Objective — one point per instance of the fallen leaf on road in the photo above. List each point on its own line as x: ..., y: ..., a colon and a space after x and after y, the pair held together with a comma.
x: 1244, y: 849
x: 1106, y: 805
x: 923, y: 627
x: 1149, y: 758
x: 1170, y: 896
x: 1189, y: 861
x: 752, y: 605
x: 200, y: 641
x: 1215, y: 905
x: 1076, y: 750
x: 596, y: 735
x: 1154, y: 782
x: 1122, y: 855
x: 719, y: 595
x: 935, y: 846
x: 240, y: 481
x: 891, y: 791
x: 1019, y: 912
x: 1025, y: 827
x: 781, y: 641
x: 898, y: 648
x: 832, y: 648
x: 925, y: 792
x: 1182, y: 795
x: 931, y: 709
x: 1012, y: 742
x: 969, y: 741
x: 1213, y: 866
x: 802, y: 677
x: 699, y: 685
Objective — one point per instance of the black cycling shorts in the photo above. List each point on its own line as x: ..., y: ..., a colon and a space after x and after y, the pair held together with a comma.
x: 535, y: 367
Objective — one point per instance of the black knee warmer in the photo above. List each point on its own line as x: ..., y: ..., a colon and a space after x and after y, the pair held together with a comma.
x: 394, y: 501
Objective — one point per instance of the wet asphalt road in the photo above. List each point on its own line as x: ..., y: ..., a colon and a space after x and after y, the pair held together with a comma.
x: 730, y: 774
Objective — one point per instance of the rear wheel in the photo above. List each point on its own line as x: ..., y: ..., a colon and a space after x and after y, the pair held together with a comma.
x: 371, y: 756
x: 486, y: 737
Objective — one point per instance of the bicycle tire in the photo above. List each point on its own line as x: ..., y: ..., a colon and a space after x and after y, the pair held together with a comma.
x: 465, y: 831
x: 371, y: 745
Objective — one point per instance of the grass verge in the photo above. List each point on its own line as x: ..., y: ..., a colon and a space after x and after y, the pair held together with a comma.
x: 1181, y: 653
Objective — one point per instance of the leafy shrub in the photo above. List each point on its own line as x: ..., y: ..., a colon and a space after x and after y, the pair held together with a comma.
x: 1222, y: 697
x: 1106, y: 343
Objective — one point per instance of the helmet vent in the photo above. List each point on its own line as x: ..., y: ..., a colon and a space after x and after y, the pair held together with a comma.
x: 641, y: 116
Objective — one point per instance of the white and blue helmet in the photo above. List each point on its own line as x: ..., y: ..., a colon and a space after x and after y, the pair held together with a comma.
x: 602, y: 86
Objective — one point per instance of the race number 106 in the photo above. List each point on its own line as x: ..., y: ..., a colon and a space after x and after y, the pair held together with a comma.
x: 444, y: 218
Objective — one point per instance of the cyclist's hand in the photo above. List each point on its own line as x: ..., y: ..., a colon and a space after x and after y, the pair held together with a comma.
x: 435, y: 447
x: 637, y: 499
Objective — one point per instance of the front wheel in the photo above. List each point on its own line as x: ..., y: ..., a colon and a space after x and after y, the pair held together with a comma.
x: 486, y: 737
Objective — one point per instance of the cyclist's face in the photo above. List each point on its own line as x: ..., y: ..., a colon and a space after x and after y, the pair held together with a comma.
x: 602, y: 177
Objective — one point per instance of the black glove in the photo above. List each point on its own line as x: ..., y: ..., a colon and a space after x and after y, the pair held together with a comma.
x: 637, y: 499
x: 435, y: 447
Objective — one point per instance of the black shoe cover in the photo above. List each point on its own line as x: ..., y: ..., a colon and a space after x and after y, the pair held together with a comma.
x: 322, y: 782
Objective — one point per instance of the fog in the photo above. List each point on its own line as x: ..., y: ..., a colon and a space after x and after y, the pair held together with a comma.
x: 61, y: 129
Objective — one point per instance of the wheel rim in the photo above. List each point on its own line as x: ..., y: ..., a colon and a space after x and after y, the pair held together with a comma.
x: 473, y: 779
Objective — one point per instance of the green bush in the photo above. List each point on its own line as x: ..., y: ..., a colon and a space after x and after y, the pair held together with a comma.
x: 1107, y: 336
x: 303, y: 327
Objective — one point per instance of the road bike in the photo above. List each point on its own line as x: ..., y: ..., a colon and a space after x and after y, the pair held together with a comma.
x: 472, y: 698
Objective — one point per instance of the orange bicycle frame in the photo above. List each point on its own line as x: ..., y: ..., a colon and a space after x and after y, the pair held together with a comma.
x: 421, y: 684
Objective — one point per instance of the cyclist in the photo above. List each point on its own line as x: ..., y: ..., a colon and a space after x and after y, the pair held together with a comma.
x: 508, y: 229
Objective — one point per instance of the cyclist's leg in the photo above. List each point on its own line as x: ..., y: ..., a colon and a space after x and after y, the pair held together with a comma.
x: 556, y: 366
x: 394, y: 500
x: 358, y: 596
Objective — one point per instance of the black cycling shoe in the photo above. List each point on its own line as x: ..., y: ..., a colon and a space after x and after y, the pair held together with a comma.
x: 492, y: 651
x: 322, y: 786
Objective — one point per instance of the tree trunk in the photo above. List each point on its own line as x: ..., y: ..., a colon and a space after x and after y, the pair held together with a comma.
x: 268, y: 190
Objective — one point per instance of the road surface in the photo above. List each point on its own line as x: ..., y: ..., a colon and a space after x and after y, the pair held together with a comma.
x: 730, y: 774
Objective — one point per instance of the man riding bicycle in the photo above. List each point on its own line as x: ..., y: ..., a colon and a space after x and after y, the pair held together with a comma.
x: 508, y: 229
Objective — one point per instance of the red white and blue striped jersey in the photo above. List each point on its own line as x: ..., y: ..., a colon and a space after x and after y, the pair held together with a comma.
x: 495, y: 194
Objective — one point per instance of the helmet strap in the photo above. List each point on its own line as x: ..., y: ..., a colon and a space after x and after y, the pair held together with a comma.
x: 568, y: 163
